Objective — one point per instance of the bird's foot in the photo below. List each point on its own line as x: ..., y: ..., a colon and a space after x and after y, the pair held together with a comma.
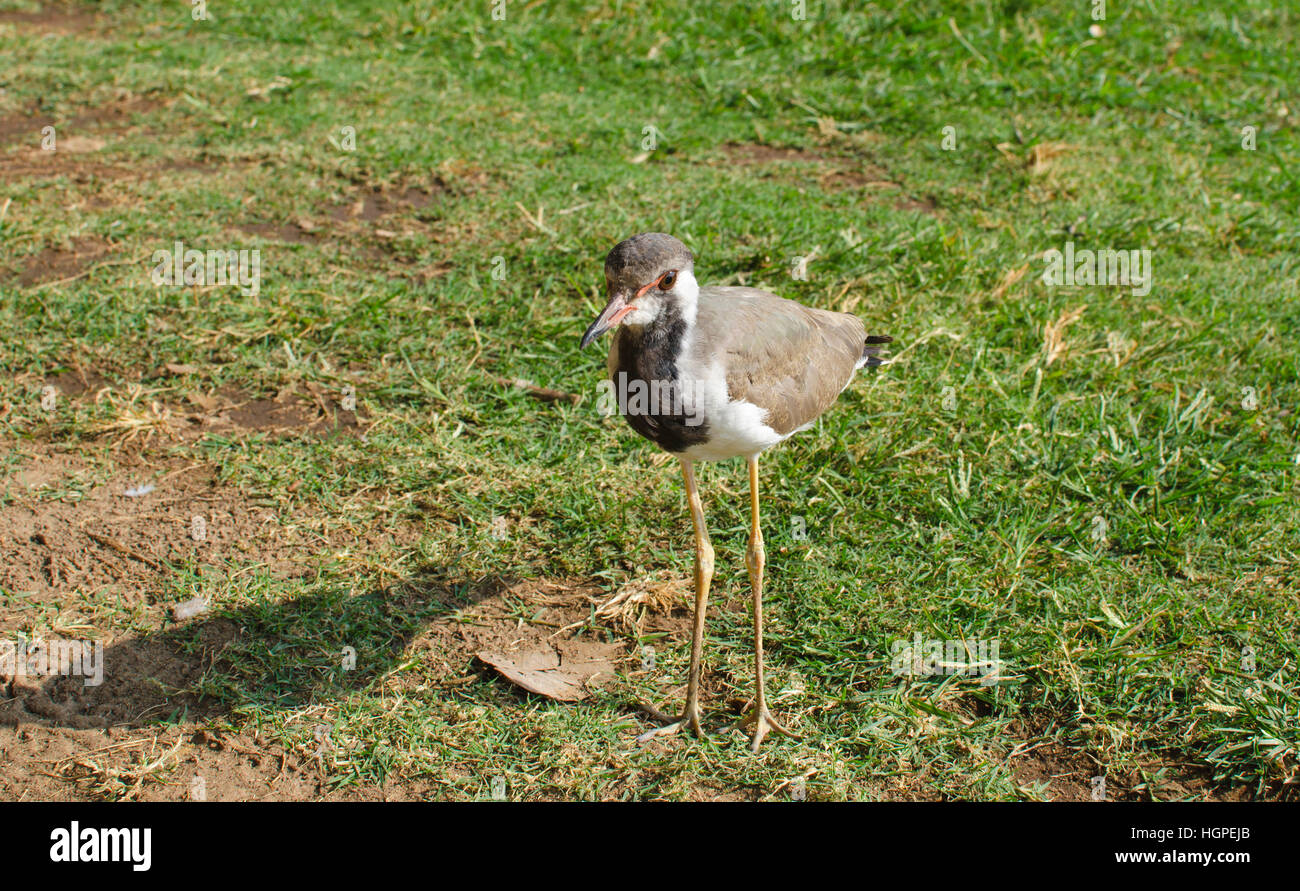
x: 689, y: 718
x: 763, y: 721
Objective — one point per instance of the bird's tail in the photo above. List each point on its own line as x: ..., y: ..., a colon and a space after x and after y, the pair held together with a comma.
x: 873, y: 353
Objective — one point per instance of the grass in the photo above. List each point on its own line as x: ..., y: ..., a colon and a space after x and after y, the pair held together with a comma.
x: 1105, y: 483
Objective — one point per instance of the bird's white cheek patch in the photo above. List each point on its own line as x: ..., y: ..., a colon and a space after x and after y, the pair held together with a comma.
x: 647, y: 310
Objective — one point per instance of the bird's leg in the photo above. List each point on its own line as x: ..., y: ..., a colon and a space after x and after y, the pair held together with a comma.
x: 755, y: 560
x: 703, y: 577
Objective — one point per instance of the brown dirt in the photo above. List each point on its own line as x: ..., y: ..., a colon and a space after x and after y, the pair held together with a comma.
x: 757, y: 153
x: 57, y: 263
x: 76, y: 381
x: 364, y: 205
x: 926, y: 205
x: 837, y: 173
x: 26, y: 128
x: 370, y: 204
x: 104, y: 543
x: 1066, y: 774
x: 55, y: 18
x: 559, y: 610
x: 868, y: 177
x: 88, y: 562
x: 61, y: 739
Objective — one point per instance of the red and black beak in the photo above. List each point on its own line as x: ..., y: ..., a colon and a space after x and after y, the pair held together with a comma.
x: 613, y: 313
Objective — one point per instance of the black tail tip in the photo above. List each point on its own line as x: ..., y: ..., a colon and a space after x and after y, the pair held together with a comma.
x: 873, y: 354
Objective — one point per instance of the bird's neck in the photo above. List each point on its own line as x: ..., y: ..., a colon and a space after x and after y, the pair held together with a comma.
x: 651, y: 351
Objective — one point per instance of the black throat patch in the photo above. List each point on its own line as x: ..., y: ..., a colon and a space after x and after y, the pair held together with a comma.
x: 651, y: 395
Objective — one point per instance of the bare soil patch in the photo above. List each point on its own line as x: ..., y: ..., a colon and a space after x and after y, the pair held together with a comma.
x: 53, y: 19
x: 372, y: 203
x: 71, y: 533
x: 836, y: 173
x: 758, y: 153
x: 1067, y: 775
x: 926, y: 205
x: 366, y: 205
x: 56, y: 263
x: 62, y: 739
x: 77, y: 547
x: 82, y: 124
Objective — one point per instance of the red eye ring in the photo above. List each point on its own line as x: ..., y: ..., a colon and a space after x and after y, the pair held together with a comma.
x: 669, y: 279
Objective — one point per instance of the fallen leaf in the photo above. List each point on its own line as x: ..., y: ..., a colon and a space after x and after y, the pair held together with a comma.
x: 560, y: 674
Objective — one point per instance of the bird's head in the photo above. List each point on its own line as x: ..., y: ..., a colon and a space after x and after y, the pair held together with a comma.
x: 645, y: 276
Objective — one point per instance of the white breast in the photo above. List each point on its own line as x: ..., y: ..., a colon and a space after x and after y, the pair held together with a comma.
x: 736, y: 428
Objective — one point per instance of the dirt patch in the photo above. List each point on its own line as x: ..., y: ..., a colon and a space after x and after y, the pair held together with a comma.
x: 560, y: 613
x: 58, y: 263
x: 62, y: 739
x: 1068, y: 775
x: 273, y: 414
x: 79, y: 548
x: 837, y: 174
x: 22, y: 128
x: 318, y: 410
x: 857, y: 179
x: 367, y: 204
x: 757, y: 153
x: 44, y: 166
x: 79, y: 125
x: 145, y: 405
x: 184, y: 763
x: 289, y: 233
x: 374, y: 203
x: 70, y: 528
x: 926, y: 205
x: 52, y: 19
x: 76, y: 381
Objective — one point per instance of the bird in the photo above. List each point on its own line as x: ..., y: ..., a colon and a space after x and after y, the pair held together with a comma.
x: 714, y: 373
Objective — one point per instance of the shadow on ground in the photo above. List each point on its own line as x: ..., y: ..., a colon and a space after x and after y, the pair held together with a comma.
x: 263, y: 656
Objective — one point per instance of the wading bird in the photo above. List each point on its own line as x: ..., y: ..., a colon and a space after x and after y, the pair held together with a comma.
x: 730, y: 372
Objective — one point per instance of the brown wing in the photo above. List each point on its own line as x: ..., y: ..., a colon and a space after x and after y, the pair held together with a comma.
x: 787, y: 358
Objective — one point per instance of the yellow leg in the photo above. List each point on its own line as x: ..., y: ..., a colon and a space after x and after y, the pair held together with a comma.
x: 755, y: 560
x: 703, y: 578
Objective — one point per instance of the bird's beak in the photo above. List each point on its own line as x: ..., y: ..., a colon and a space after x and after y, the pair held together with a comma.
x: 609, y: 318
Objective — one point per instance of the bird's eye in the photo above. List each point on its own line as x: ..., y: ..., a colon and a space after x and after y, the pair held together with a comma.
x: 666, y: 283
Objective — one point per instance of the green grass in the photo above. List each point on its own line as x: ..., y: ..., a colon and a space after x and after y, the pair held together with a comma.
x: 965, y: 517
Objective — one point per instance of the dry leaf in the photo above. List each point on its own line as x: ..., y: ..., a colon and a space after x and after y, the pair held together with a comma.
x: 561, y: 672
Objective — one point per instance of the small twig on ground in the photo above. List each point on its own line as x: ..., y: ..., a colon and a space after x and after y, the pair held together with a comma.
x: 544, y: 393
